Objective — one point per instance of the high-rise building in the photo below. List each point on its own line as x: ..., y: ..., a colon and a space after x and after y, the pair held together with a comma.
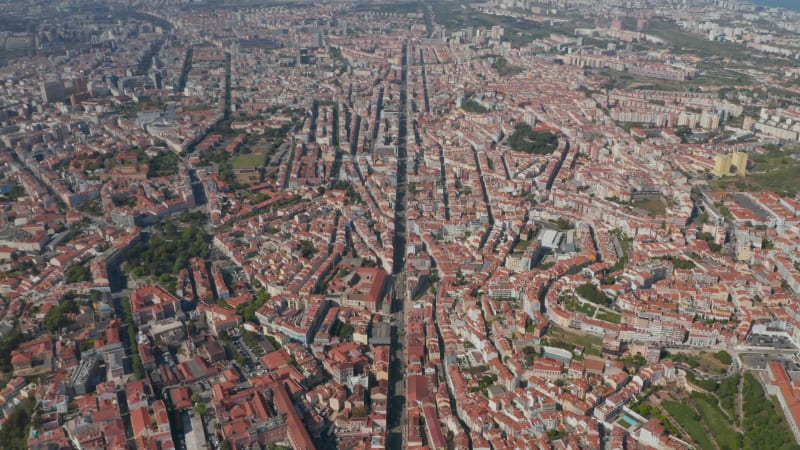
x: 731, y: 164
x: 305, y: 57
x: 739, y: 162
x: 157, y: 79
x: 53, y: 90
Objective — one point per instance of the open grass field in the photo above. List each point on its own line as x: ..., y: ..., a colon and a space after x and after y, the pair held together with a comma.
x: 608, y: 316
x: 705, y: 362
x: 654, y: 206
x: 700, y: 417
x: 401, y: 7
x: 785, y: 181
x: 710, y: 420
x: 522, y: 245
x: 715, y: 72
x: 573, y: 304
x: 709, y: 80
x: 683, y: 41
x: 690, y: 422
x: 705, y: 423
x: 716, y: 422
x: 593, y: 345
x: 710, y: 364
x: 775, y: 158
x: 255, y: 159
x: 778, y: 171
x: 456, y: 15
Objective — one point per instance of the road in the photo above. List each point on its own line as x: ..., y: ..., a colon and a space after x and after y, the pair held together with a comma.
x: 397, y: 416
x: 740, y: 401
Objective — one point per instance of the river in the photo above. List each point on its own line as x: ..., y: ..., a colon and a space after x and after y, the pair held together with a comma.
x: 788, y: 4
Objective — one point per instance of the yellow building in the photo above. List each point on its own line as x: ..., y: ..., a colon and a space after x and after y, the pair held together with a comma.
x: 731, y: 164
x: 739, y: 162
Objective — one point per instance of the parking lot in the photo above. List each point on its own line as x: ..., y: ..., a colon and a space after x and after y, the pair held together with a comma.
x: 251, y: 364
x: 761, y: 340
x: 758, y: 361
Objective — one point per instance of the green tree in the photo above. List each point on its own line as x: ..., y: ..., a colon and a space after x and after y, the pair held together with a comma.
x: 530, y: 353
x: 56, y: 317
x: 680, y: 263
x: 590, y: 292
x: 138, y: 367
x: 15, y: 430
x: 307, y: 248
x: 529, y: 325
x: 7, y: 344
x: 471, y: 106
x: 764, y: 425
x: 78, y: 273
x: 248, y: 310
x: 524, y: 139
x: 504, y: 69
x: 167, y: 250
x: 723, y: 356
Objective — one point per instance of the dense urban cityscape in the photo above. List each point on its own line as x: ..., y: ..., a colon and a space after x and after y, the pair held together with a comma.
x: 442, y: 224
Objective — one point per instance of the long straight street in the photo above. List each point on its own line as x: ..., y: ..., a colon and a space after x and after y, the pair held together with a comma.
x: 397, y: 403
